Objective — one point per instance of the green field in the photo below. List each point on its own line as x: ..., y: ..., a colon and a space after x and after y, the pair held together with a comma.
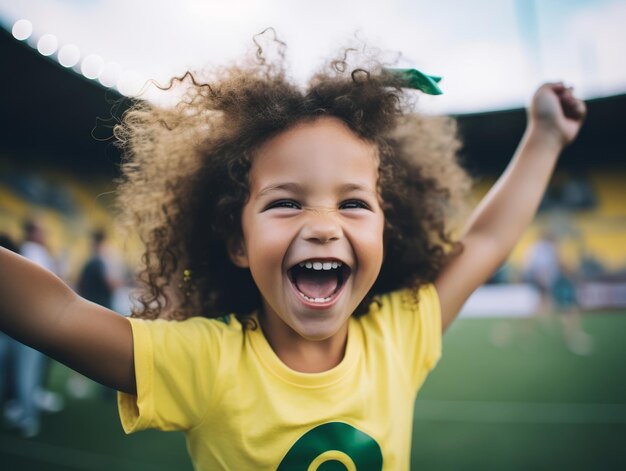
x: 526, y: 404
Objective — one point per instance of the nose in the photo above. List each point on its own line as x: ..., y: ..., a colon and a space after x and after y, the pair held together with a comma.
x: 321, y: 226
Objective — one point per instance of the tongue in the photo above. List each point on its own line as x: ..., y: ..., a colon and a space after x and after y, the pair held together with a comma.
x: 316, y: 284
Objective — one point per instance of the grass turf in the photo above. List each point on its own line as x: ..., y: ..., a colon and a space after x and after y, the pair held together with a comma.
x: 528, y: 403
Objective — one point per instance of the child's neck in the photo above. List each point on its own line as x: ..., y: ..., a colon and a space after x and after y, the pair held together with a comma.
x: 306, y: 356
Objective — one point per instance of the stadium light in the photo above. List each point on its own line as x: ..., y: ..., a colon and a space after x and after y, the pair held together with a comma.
x: 69, y: 55
x: 47, y: 44
x: 110, y: 74
x: 92, y: 66
x: 22, y: 29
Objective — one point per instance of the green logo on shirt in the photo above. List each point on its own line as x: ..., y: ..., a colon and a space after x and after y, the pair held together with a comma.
x: 334, y: 446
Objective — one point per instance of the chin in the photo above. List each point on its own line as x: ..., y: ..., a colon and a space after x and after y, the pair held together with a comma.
x: 318, y: 330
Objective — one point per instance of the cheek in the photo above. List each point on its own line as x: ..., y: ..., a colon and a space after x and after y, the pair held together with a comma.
x: 368, y: 241
x: 377, y: 240
x: 266, y: 243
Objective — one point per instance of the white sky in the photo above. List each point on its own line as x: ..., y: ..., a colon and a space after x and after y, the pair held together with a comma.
x: 491, y: 53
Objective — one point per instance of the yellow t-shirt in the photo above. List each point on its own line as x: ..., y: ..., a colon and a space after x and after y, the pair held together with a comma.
x: 243, y: 409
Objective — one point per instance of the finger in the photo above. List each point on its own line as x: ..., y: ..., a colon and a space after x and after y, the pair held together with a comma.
x: 578, y: 106
x: 557, y: 87
x: 568, y: 97
x: 581, y: 108
x: 564, y: 91
x: 574, y: 109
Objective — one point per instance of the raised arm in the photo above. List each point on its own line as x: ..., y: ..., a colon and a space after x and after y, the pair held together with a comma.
x: 554, y: 119
x: 38, y: 309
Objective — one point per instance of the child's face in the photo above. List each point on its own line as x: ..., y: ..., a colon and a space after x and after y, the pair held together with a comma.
x: 313, y: 201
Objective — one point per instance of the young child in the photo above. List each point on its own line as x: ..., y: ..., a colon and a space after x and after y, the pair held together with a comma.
x: 298, y: 244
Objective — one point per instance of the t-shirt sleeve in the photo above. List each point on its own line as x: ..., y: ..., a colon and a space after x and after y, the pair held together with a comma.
x: 175, y: 369
x: 416, y: 326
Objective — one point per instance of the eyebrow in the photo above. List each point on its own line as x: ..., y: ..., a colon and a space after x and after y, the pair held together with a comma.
x: 297, y: 188
x: 291, y: 187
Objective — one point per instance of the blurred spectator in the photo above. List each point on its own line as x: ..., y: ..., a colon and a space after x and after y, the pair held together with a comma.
x: 29, y: 365
x: 564, y: 294
x: 558, y: 292
x: 34, y: 246
x: 573, y: 194
x: 98, y: 282
x: 577, y: 193
x: 99, y: 277
x: 590, y: 267
x: 541, y: 268
x: 7, y: 384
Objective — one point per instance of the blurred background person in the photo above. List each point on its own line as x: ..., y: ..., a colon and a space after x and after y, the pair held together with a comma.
x: 557, y: 286
x: 564, y: 299
x: 7, y: 383
x: 100, y: 276
x: 29, y: 367
x: 541, y: 269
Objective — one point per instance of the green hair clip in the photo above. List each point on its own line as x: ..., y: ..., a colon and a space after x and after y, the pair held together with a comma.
x: 413, y: 78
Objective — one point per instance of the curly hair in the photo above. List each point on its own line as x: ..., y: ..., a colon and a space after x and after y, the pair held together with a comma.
x: 185, y: 177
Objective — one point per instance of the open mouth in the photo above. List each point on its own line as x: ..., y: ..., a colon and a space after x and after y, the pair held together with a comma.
x: 319, y: 281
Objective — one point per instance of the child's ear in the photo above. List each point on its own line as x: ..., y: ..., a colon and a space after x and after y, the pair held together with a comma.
x: 237, y: 253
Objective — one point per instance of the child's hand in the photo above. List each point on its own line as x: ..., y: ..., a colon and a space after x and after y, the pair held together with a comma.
x: 555, y: 109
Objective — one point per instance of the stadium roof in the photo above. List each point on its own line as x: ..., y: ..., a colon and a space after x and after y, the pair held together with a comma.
x: 49, y: 114
x: 491, y: 54
x: 52, y: 115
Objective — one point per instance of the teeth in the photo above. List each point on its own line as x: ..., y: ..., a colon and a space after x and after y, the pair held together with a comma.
x: 316, y: 300
x: 320, y: 265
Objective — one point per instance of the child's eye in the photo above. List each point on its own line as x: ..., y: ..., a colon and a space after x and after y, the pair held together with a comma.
x: 288, y: 204
x: 354, y: 204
